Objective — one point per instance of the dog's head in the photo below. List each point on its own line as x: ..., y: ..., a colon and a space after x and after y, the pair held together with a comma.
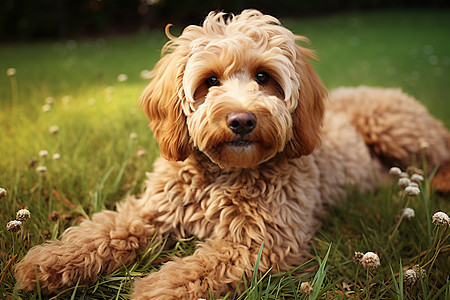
x: 239, y: 89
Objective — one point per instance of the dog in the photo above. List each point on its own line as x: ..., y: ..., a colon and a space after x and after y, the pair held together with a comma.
x: 254, y: 148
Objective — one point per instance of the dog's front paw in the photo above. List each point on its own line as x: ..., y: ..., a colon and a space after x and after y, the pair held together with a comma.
x: 54, y: 265
x: 212, y: 270
x: 175, y: 280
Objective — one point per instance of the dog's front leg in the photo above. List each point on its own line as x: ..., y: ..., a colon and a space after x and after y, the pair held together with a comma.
x: 102, y: 244
x: 216, y: 267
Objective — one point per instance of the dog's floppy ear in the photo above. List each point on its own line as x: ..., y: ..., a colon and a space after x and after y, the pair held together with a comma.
x: 162, y: 100
x: 307, y: 117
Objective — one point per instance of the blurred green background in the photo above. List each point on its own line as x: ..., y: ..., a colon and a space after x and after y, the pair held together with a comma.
x: 28, y: 19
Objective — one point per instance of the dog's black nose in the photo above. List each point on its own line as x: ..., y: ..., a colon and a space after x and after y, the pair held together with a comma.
x: 242, y: 122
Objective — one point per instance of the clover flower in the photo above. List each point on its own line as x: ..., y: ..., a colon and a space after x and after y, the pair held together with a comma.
x: 22, y: 215
x: 404, y: 182
x: 417, y: 178
x: 56, y: 156
x: 412, y: 190
x: 410, y: 276
x: 10, y: 72
x: 409, y: 184
x: 420, y: 272
x: 413, y: 170
x: 109, y: 90
x: 357, y: 257
x: 146, y: 74
x: 404, y: 175
x: 53, y: 129
x: 43, y: 153
x: 370, y: 260
x: 14, y: 226
x: 49, y: 100
x: 306, y: 288
x: 415, y: 184
x: 141, y: 153
x: 408, y: 213
x: 46, y: 108
x: 32, y: 162
x: 395, y: 171
x: 41, y: 170
x: 122, y: 77
x: 133, y: 136
x: 440, y: 219
x: 3, y: 193
x: 423, y: 144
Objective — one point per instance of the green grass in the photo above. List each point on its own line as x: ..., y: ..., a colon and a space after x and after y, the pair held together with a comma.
x: 99, y: 163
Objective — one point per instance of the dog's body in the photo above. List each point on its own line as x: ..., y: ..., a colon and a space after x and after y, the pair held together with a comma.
x: 239, y: 114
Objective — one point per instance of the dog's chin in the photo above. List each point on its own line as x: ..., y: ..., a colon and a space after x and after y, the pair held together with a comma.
x: 239, y: 154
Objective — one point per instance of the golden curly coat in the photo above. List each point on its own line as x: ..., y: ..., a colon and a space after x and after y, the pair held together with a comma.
x: 251, y: 152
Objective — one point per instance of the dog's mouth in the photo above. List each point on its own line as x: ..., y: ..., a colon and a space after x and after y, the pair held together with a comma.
x: 240, y: 144
x: 240, y: 152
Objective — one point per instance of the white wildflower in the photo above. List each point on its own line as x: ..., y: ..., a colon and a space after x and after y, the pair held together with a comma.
x: 53, y: 129
x: 395, y: 171
x: 109, y: 90
x: 49, y: 100
x: 22, y: 215
x: 10, y: 72
x: 408, y: 213
x: 56, y: 156
x: 3, y: 193
x: 423, y: 144
x: 412, y: 190
x: 141, y: 152
x: 43, y: 153
x: 46, y: 107
x: 133, y: 136
x: 14, y: 226
x: 404, y: 175
x: 41, y: 170
x: 420, y: 272
x: 122, y: 77
x: 440, y: 218
x: 410, y: 276
x: 145, y: 74
x: 414, y: 184
x: 414, y: 170
x: 404, y: 182
x: 416, y: 178
x: 306, y: 288
x: 370, y: 260
x: 357, y: 257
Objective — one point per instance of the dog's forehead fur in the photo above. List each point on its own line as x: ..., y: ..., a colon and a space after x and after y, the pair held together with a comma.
x: 248, y: 43
x: 261, y: 29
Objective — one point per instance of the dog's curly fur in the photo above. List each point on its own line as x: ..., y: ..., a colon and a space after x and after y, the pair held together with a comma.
x: 253, y: 148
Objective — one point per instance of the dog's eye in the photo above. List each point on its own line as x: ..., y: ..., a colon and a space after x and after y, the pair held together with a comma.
x: 262, y: 77
x: 212, y: 81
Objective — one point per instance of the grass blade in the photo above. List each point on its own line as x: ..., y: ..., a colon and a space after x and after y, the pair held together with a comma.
x: 319, y: 277
x: 258, y: 259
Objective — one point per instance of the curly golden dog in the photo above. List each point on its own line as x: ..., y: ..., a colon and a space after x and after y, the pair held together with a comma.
x: 253, y: 148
